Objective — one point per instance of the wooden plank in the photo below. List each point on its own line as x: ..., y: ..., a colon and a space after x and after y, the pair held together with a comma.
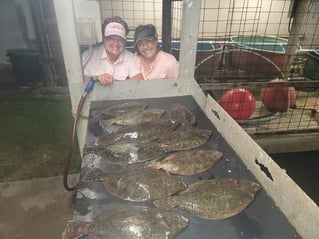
x: 283, y: 143
x: 253, y: 85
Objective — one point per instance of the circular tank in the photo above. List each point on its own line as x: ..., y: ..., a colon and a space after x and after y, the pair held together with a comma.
x: 206, y: 49
x: 257, y: 53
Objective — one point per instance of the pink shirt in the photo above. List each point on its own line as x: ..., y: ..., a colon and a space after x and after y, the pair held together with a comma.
x: 164, y: 66
x: 124, y: 67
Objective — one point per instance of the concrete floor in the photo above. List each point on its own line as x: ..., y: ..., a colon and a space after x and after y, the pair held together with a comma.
x: 35, y: 209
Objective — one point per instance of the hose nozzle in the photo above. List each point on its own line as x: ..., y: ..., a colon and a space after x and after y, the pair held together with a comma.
x: 89, y: 85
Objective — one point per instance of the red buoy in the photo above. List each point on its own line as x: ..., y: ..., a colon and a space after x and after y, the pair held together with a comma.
x: 278, y: 98
x: 240, y: 104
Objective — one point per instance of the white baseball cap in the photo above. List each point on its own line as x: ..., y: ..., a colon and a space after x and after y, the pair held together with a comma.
x: 115, y: 29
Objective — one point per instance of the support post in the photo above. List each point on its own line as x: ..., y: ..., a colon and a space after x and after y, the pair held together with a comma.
x: 296, y: 34
x: 72, y: 59
x: 167, y: 25
x: 189, y: 32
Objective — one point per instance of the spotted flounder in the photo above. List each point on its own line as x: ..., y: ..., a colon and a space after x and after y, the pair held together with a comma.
x: 213, y: 198
x: 134, y: 117
x: 185, y: 139
x: 131, y: 153
x: 137, y: 184
x: 127, y: 221
x: 120, y: 109
x: 147, y: 131
x: 188, y: 162
x: 181, y: 114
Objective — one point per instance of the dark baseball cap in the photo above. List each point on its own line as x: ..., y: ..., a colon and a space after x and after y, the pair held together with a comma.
x: 145, y: 32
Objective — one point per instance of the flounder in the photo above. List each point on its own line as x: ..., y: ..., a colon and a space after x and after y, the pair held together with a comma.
x: 147, y: 131
x: 120, y: 109
x: 134, y: 117
x: 124, y: 221
x: 138, y: 184
x: 131, y: 153
x: 181, y: 114
x: 213, y: 198
x: 186, y: 139
x: 188, y: 162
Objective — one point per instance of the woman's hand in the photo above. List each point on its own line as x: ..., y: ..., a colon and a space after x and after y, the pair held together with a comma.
x: 105, y: 79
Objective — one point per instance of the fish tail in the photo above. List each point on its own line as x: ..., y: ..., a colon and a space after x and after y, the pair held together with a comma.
x: 165, y: 203
x: 154, y: 165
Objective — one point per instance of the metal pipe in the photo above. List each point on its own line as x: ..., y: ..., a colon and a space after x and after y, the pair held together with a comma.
x: 296, y: 33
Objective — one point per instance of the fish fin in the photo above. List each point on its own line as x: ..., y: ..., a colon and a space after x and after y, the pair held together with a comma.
x: 104, y: 140
x: 95, y: 113
x: 165, y: 203
x: 93, y: 175
x: 75, y: 229
x: 104, y: 123
x: 90, y: 148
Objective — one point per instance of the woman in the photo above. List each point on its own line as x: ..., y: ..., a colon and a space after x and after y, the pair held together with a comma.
x: 110, y: 60
x: 153, y: 62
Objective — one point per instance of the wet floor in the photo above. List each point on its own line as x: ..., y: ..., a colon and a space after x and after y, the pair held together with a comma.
x: 303, y: 168
x: 38, y: 208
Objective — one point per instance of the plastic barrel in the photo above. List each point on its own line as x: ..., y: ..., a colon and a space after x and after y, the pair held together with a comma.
x: 312, y: 65
x: 26, y: 66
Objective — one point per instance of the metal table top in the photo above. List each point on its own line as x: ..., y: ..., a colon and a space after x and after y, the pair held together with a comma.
x: 261, y: 219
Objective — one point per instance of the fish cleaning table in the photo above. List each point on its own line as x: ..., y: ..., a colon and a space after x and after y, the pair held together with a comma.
x: 261, y: 219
